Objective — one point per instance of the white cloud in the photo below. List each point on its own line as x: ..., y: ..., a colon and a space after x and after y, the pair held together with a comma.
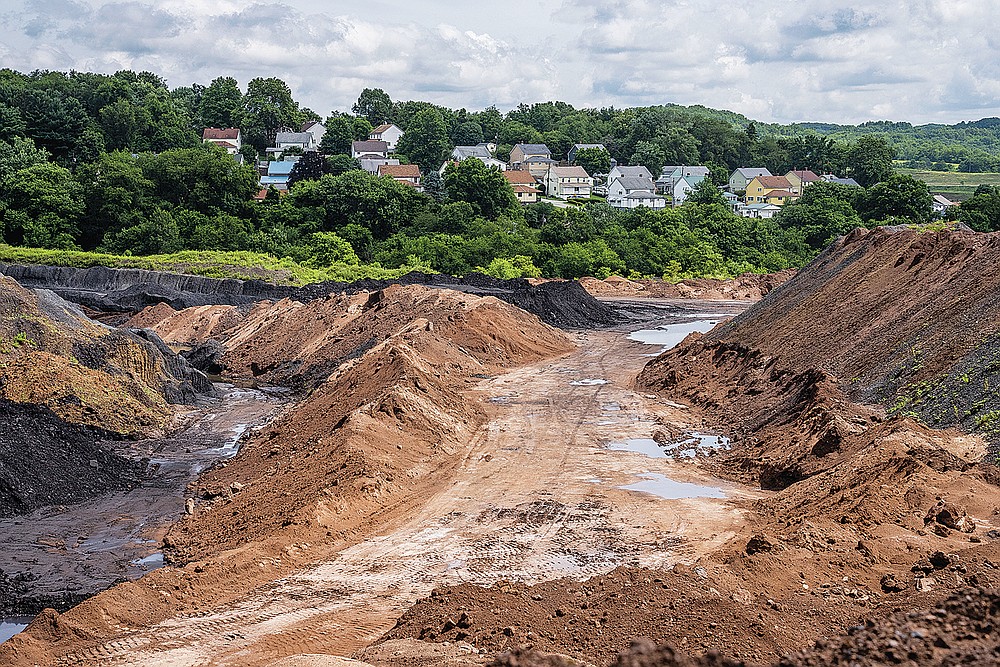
x: 917, y: 60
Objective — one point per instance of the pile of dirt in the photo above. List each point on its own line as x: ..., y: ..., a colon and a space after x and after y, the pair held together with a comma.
x: 85, y: 372
x: 46, y: 461
x: 107, y: 290
x: 747, y: 287
x: 961, y: 631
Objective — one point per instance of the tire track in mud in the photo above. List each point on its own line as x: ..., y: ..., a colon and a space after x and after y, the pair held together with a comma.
x: 535, y: 499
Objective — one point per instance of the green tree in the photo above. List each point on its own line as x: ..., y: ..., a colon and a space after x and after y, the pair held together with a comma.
x: 469, y: 133
x: 267, y: 107
x: 485, y: 188
x: 425, y: 141
x: 204, y: 179
x: 116, y: 193
x: 650, y: 155
x: 311, y: 166
x: 338, y: 164
x: 375, y: 105
x: 900, y: 195
x: 595, y: 160
x: 434, y: 186
x: 157, y: 233
x: 41, y: 207
x: 19, y: 154
x: 871, y: 160
x: 705, y: 192
x: 220, y: 103
x: 338, y: 136
x: 327, y: 249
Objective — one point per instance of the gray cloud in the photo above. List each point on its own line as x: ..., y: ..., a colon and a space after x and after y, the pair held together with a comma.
x: 917, y: 60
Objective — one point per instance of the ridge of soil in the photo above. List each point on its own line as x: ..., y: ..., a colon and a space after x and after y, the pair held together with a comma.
x: 747, y: 287
x: 382, y: 425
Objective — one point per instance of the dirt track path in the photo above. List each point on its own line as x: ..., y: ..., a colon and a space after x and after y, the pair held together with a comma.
x: 537, y: 498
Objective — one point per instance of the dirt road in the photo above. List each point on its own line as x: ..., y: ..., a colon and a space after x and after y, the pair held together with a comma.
x: 538, y: 497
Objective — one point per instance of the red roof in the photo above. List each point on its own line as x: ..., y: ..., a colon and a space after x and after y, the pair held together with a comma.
x: 399, y: 170
x: 515, y: 177
x: 525, y: 188
x: 805, y: 175
x: 776, y: 182
x: 213, y: 133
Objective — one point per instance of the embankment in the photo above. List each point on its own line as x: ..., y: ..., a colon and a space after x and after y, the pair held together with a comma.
x: 747, y: 287
x: 562, y: 304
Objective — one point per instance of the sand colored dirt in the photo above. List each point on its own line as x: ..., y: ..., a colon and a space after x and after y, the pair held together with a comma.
x: 748, y: 287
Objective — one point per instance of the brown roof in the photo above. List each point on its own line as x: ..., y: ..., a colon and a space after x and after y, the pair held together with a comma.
x: 399, y: 170
x: 805, y: 175
x: 525, y: 188
x: 776, y: 182
x: 212, y: 133
x: 381, y: 128
x: 515, y: 177
x: 308, y: 124
x: 779, y: 193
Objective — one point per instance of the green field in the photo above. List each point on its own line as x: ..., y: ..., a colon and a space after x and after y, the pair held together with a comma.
x: 954, y: 185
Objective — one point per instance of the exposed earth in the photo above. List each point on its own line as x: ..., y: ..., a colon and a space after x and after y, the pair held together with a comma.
x: 446, y: 479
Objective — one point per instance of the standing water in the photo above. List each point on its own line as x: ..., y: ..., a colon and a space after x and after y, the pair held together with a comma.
x: 10, y: 626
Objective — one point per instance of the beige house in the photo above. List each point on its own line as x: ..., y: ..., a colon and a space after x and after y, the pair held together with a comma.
x: 404, y: 173
x: 533, y: 158
x: 801, y: 179
x: 569, y: 182
x: 524, y: 184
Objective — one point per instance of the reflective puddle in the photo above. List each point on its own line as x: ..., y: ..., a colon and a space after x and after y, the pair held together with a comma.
x: 670, y: 489
x: 10, y: 626
x: 670, y: 335
x: 589, y: 382
x: 690, y: 446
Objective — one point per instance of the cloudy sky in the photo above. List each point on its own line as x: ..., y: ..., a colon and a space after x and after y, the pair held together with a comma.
x: 914, y: 60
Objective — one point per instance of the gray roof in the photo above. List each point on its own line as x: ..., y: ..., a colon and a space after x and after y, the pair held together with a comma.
x: 465, y: 152
x: 293, y: 138
x: 370, y: 147
x: 751, y: 173
x: 642, y: 195
x: 692, y: 171
x: 844, y: 181
x: 534, y: 149
x: 635, y: 172
x: 633, y: 183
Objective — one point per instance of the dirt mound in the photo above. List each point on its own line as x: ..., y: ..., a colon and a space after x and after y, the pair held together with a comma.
x: 130, y: 290
x: 83, y: 371
x: 747, y: 287
x: 384, y: 415
x: 46, y: 461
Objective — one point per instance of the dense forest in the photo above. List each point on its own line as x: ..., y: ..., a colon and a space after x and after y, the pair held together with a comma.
x: 115, y: 163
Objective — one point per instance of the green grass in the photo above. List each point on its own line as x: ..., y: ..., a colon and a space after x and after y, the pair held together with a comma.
x: 212, y: 264
x: 954, y: 185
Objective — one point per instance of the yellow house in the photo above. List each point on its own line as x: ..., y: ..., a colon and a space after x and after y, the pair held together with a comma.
x: 780, y: 197
x: 760, y: 186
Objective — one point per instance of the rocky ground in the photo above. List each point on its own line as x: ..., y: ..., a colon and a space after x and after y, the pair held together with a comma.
x: 451, y: 486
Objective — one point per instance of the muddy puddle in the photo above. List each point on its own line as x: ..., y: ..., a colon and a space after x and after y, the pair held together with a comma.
x: 58, y: 556
x: 670, y: 335
x: 690, y: 446
x: 671, y: 489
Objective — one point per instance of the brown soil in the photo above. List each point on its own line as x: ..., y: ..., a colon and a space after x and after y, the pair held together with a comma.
x: 748, y: 287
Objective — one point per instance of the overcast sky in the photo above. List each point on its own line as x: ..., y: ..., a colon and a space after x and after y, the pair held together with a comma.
x: 813, y: 60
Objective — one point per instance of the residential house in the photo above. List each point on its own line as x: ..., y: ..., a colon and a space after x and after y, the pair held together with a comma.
x: 741, y: 177
x: 285, y: 140
x: 801, y: 179
x: 404, y: 173
x: 534, y: 158
x: 372, y: 163
x: 388, y: 133
x: 941, y: 204
x: 687, y: 172
x: 683, y: 186
x: 780, y: 197
x: 372, y: 148
x: 762, y: 210
x: 569, y: 182
x: 668, y: 182
x: 571, y: 153
x: 228, y: 138
x: 524, y: 184
x: 633, y: 192
x: 759, y: 186
x: 316, y: 129
x: 732, y: 201
x: 278, y: 172
x: 481, y: 152
x: 830, y: 178
x: 631, y: 172
x: 665, y: 181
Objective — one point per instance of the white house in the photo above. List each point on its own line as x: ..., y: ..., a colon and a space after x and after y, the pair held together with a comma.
x: 228, y: 138
x: 369, y: 149
x: 941, y: 204
x: 569, y: 182
x: 634, y: 172
x: 388, y: 133
x: 683, y: 187
x: 761, y: 210
x: 316, y: 129
x: 480, y: 152
x: 642, y: 200
x: 372, y: 164
x: 285, y: 140
x: 633, y: 192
